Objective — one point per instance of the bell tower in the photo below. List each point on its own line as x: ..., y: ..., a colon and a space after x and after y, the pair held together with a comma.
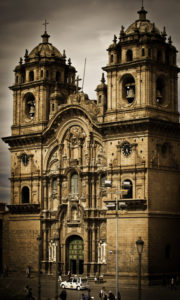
x: 142, y: 73
x: 43, y: 72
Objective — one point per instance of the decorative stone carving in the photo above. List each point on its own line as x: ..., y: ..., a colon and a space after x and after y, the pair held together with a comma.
x: 75, y: 136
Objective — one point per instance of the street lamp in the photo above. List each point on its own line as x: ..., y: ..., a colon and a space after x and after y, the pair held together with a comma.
x: 39, y: 267
x: 56, y: 240
x: 116, y: 205
x: 139, y: 244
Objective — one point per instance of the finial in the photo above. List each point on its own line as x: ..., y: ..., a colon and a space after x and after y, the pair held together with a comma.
x: 45, y: 25
x: 153, y: 28
x: 26, y: 55
x: 164, y: 34
x: 20, y: 61
x: 64, y: 53
x: 170, y: 40
x: 69, y: 62
x: 103, y: 79
x: 122, y: 33
x: 142, y: 13
x: 45, y: 36
x: 115, y: 39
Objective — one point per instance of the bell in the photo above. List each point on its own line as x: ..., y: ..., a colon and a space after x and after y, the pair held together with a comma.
x: 130, y: 93
x: 158, y: 96
x: 32, y: 111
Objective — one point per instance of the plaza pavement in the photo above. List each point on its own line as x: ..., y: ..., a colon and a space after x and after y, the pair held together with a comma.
x: 12, y: 287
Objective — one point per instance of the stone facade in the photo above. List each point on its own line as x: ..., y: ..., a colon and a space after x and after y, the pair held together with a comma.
x: 64, y: 146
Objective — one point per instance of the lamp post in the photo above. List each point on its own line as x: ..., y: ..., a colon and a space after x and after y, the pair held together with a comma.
x: 116, y: 205
x: 139, y: 244
x: 56, y: 240
x: 39, y: 267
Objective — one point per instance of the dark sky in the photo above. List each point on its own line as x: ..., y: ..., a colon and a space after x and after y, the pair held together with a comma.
x: 84, y: 28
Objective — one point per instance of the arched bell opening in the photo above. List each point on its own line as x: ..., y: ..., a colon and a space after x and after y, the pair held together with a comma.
x: 129, y: 55
x: 160, y: 90
x: 128, y: 88
x: 29, y: 105
x: 25, y: 194
x: 75, y: 255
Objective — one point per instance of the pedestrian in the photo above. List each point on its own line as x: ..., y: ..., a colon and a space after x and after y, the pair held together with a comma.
x: 60, y: 276
x: 28, y: 270
x: 172, y: 284
x: 119, y: 296
x: 63, y: 295
x: 103, y: 293
x: 111, y: 296
x: 89, y: 295
x: 83, y: 297
x: 69, y: 274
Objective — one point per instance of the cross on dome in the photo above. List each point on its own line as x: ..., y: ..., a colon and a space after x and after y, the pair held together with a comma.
x: 45, y: 24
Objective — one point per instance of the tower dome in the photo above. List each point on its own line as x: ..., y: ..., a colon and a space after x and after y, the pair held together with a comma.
x: 142, y: 25
x: 45, y: 49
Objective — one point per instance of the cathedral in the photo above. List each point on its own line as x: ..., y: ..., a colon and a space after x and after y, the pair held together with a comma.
x: 89, y: 177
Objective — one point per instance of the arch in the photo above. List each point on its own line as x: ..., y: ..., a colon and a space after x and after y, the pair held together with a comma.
x: 160, y: 90
x: 29, y: 105
x: 143, y: 52
x: 129, y: 55
x: 31, y: 76
x: 42, y: 73
x: 127, y: 185
x: 112, y: 58
x: 25, y: 194
x: 128, y: 88
x: 74, y: 183
x: 75, y: 254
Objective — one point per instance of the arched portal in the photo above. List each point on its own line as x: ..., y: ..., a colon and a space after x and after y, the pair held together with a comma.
x: 75, y: 254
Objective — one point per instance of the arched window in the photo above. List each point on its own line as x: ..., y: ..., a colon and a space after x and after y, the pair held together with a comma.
x: 31, y: 76
x: 100, y: 97
x: 58, y: 76
x: 17, y: 79
x: 112, y: 58
x: 74, y: 183
x: 129, y: 55
x: 25, y: 194
x: 143, y: 51
x: 53, y: 107
x: 128, y: 88
x: 42, y: 73
x: 127, y: 185
x: 47, y: 73
x: 149, y: 52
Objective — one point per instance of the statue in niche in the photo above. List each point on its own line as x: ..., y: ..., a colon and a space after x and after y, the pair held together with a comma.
x: 74, y: 214
x: 76, y: 136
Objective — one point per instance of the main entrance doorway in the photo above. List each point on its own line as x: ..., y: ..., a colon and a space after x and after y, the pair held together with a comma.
x: 75, y: 255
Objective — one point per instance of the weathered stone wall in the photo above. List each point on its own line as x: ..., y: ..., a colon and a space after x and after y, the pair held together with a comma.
x: 20, y: 242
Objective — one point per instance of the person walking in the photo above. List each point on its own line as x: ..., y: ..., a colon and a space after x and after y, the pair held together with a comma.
x: 63, y: 295
x: 103, y: 293
x: 111, y: 296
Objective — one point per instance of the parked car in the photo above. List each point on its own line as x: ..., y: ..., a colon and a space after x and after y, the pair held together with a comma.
x: 76, y: 283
